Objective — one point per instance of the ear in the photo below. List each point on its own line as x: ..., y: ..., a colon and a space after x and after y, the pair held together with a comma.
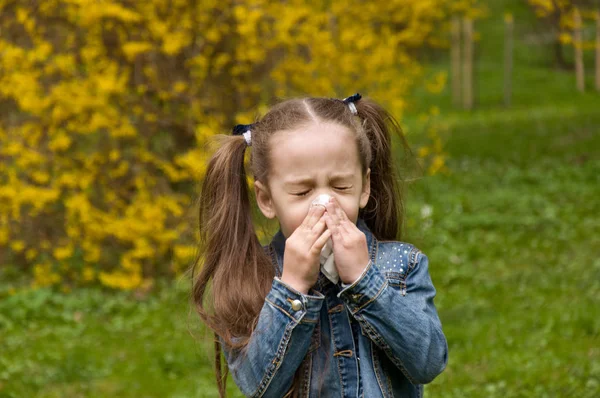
x: 263, y: 199
x: 366, y: 191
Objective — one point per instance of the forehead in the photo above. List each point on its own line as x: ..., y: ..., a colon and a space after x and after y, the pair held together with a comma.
x: 314, y: 150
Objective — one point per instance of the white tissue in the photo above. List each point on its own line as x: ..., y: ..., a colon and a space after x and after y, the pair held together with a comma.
x: 321, y: 200
x: 327, y: 263
x: 326, y: 258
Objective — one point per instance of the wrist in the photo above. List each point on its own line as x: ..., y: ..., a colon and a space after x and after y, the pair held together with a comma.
x: 352, y: 278
x: 294, y: 283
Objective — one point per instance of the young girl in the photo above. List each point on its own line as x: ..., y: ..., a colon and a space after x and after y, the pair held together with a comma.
x: 369, y: 328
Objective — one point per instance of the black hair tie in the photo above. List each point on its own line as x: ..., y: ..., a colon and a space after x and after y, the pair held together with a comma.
x: 352, y: 98
x: 240, y: 129
x: 350, y: 102
x: 245, y: 130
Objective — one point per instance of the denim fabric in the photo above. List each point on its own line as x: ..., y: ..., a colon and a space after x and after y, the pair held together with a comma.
x: 378, y: 337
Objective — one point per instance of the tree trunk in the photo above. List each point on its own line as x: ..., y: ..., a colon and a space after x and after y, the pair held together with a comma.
x: 559, y: 56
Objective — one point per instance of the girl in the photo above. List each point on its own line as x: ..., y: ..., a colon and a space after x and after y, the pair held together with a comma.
x: 285, y: 328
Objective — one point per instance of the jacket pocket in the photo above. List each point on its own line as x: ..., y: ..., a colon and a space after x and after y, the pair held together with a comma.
x: 380, y: 374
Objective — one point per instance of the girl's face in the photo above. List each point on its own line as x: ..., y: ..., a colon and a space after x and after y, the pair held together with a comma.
x: 318, y: 158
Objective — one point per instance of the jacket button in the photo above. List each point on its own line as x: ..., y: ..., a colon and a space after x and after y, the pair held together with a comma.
x: 296, y: 305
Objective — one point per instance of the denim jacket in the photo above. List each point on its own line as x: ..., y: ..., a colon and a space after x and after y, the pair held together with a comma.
x: 378, y: 337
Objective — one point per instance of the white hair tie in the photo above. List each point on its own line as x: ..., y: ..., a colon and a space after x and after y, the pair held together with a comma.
x: 248, y: 137
x: 352, y: 108
x: 245, y: 131
x: 350, y: 102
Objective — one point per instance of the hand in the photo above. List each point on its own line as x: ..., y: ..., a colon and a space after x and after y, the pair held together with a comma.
x: 302, y: 249
x: 349, y: 243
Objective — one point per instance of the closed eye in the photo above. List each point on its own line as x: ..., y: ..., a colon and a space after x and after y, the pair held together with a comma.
x: 301, y: 193
x: 304, y: 193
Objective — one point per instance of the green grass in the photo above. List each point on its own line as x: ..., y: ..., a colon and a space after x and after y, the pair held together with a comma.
x: 514, y: 237
x: 94, y: 344
x: 513, y: 241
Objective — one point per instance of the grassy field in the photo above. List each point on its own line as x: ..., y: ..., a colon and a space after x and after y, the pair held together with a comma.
x: 512, y: 233
x: 514, y: 243
x: 514, y: 236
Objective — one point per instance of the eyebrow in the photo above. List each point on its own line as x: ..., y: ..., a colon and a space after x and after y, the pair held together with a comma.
x: 308, y: 180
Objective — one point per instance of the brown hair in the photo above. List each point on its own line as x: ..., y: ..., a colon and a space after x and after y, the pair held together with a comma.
x: 231, y: 254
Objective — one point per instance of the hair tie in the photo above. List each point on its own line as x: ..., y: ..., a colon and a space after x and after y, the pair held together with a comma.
x: 245, y: 130
x: 350, y: 102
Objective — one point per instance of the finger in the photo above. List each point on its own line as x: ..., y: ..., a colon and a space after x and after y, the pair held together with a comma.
x: 348, y: 227
x: 313, y: 216
x: 319, y: 227
x: 320, y: 243
x: 341, y: 213
x: 311, y: 211
x: 332, y: 212
x: 309, y: 236
x: 332, y: 226
x: 337, y: 209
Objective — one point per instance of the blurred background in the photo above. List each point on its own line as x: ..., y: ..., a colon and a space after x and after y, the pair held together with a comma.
x: 107, y: 109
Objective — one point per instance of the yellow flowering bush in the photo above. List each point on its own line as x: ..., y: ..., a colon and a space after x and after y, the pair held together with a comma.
x: 106, y: 108
x: 559, y: 15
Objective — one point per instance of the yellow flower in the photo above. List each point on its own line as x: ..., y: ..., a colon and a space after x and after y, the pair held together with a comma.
x: 61, y: 253
x: 30, y: 254
x: 424, y: 151
x: 184, y: 253
x: 40, y: 177
x: 17, y: 246
x: 134, y: 48
x: 4, y: 236
x: 179, y: 87
x: 60, y: 142
x: 44, y: 276
x: 120, y: 280
x: 88, y: 274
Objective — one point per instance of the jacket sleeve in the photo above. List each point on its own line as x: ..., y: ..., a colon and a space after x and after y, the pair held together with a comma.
x: 279, y: 343
x: 402, y: 321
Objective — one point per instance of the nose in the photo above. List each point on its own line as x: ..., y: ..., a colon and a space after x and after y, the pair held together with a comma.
x: 321, y: 199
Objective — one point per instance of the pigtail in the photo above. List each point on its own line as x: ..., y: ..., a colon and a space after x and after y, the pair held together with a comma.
x: 383, y: 213
x: 231, y: 256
